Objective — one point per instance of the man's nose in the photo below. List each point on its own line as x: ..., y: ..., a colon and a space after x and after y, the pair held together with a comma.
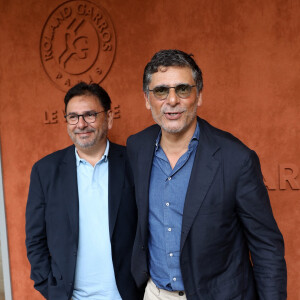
x: 172, y: 98
x: 81, y: 122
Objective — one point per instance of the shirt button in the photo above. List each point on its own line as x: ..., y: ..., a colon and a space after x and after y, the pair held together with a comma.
x: 169, y: 229
x: 171, y: 254
x: 167, y: 204
x: 169, y: 178
x: 174, y: 278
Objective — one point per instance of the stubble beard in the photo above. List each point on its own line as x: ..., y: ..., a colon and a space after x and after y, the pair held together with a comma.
x: 80, y: 142
x: 190, y: 117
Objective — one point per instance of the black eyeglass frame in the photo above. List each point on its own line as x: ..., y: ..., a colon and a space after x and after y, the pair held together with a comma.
x: 172, y: 87
x: 82, y: 115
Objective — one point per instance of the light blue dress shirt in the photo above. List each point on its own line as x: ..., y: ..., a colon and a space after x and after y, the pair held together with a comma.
x: 167, y: 193
x: 94, y: 276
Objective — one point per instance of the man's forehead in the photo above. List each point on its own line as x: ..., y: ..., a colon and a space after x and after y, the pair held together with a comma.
x: 162, y: 68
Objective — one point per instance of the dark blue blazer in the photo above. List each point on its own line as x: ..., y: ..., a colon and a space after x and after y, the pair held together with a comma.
x: 52, y: 223
x: 227, y: 214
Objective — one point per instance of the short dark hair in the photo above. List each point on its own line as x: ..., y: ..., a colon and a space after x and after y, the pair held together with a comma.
x: 168, y: 58
x: 93, y: 89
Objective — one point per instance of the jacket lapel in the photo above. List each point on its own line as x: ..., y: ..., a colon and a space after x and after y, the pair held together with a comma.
x: 202, y: 175
x: 116, y: 171
x: 144, y: 165
x: 68, y: 173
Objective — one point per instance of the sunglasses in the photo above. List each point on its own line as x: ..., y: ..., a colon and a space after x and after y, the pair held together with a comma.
x: 182, y: 91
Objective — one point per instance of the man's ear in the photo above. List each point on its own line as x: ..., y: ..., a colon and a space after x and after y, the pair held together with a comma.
x: 199, y: 102
x: 146, y: 97
x: 110, y: 119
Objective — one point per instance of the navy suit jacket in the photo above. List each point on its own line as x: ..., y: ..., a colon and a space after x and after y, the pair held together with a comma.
x: 227, y: 214
x: 52, y: 223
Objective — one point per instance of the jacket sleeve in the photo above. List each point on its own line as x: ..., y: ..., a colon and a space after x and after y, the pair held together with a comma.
x: 36, y: 238
x: 263, y: 236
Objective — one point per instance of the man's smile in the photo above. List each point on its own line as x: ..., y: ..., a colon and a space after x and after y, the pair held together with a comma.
x: 173, y: 115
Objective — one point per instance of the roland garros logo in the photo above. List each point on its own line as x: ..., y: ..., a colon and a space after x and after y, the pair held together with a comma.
x: 78, y: 43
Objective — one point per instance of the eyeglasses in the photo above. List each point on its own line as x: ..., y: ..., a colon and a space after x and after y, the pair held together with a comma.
x: 88, y: 117
x: 182, y: 91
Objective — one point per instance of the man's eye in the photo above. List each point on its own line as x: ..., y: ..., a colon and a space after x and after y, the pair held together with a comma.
x: 89, y: 114
x: 72, y: 117
x: 183, y: 88
x: 160, y: 90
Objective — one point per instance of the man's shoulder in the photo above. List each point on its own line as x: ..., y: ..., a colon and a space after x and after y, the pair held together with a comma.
x: 222, y: 138
x: 116, y: 151
x: 208, y: 132
x: 56, y: 157
x: 116, y: 147
x: 231, y: 146
x: 150, y: 132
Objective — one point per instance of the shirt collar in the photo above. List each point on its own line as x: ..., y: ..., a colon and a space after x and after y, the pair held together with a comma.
x: 196, y: 133
x: 104, y: 157
x: 157, y: 140
x: 196, y: 136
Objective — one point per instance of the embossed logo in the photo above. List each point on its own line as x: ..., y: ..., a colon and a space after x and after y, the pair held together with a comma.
x: 78, y: 43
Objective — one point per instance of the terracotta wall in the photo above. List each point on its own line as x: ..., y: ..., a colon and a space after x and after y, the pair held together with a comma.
x: 250, y: 57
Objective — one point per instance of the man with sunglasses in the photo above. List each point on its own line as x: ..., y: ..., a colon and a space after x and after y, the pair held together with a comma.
x: 205, y: 224
x: 81, y: 213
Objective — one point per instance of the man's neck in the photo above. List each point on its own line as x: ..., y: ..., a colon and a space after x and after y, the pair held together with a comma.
x: 92, y: 154
x: 176, y: 144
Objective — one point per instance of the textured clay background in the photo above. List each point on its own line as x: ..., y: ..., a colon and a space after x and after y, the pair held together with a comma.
x: 249, y: 52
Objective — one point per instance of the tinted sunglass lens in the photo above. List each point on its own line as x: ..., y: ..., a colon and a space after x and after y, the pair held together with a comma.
x: 183, y: 90
x: 161, y: 92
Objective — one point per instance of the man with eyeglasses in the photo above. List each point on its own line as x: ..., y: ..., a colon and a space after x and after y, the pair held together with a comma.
x: 203, y: 208
x: 81, y: 212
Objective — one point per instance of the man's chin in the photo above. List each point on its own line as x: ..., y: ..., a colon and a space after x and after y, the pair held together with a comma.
x: 169, y: 128
x: 172, y: 130
x: 85, y: 145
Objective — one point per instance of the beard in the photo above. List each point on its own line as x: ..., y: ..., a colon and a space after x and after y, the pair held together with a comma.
x: 167, y: 126
x: 86, y: 142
